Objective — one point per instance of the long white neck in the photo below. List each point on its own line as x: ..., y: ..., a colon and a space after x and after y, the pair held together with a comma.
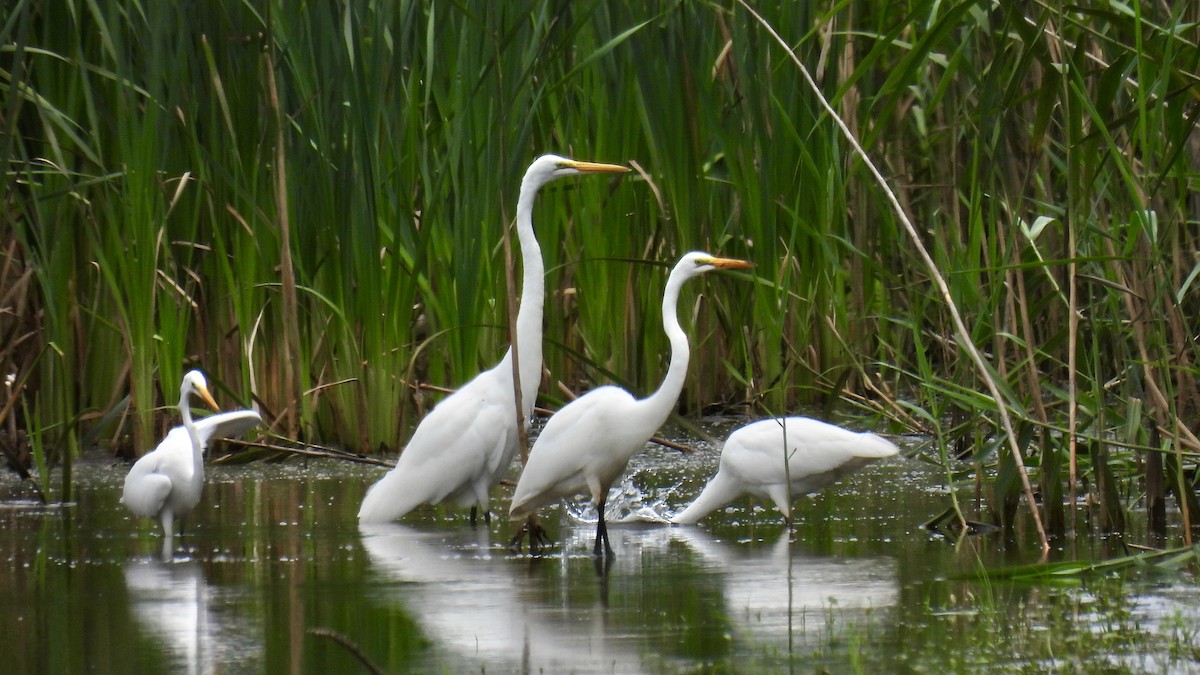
x: 533, y: 297
x: 663, y: 401
x: 185, y: 411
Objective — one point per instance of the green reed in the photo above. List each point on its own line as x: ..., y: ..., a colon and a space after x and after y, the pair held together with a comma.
x: 1042, y: 152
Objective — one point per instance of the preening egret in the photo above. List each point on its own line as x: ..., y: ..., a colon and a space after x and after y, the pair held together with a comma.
x: 752, y: 461
x: 586, y: 445
x: 166, y: 483
x: 466, y: 443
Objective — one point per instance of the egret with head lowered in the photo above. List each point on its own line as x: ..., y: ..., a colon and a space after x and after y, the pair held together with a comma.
x: 585, y: 446
x: 166, y: 483
x: 465, y: 445
x: 780, y: 459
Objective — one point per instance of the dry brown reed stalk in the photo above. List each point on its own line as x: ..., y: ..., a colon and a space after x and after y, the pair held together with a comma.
x: 964, y: 338
x: 291, y: 325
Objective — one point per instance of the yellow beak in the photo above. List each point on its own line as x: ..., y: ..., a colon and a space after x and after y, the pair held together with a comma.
x: 203, y: 391
x: 593, y: 167
x: 727, y: 263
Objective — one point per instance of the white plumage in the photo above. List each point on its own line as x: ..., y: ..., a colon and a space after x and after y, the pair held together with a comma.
x: 752, y: 462
x: 466, y: 443
x: 586, y: 445
x: 166, y: 483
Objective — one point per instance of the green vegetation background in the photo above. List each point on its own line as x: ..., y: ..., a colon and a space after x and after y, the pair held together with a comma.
x: 309, y: 201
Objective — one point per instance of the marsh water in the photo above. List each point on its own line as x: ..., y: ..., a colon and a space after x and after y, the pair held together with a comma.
x: 273, y: 574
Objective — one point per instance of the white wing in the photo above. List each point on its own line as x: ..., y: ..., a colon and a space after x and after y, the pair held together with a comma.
x: 752, y: 461
x: 818, y: 453
x: 588, y: 439
x: 454, y: 452
x: 226, y: 425
x: 145, y: 490
x: 170, y: 465
x: 149, y: 482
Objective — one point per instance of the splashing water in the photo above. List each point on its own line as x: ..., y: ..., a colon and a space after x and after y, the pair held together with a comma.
x: 627, y: 503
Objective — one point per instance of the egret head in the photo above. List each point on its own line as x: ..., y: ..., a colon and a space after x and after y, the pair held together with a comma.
x: 194, y: 383
x: 548, y: 167
x: 699, y: 262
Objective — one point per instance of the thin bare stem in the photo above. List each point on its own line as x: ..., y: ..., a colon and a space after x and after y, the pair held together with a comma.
x: 964, y: 337
x: 291, y: 325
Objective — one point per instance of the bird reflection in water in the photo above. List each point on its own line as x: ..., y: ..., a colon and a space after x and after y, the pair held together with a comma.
x: 778, y: 593
x: 487, y: 607
x: 175, y: 604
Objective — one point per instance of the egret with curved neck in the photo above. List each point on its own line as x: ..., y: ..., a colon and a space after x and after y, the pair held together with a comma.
x: 782, y: 458
x: 166, y: 483
x: 467, y: 442
x: 586, y: 445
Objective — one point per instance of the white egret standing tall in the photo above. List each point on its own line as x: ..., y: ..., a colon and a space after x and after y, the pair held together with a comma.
x: 753, y: 461
x: 467, y: 442
x: 586, y: 445
x: 166, y: 483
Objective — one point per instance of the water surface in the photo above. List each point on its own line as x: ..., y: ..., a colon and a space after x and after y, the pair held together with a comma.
x: 273, y: 560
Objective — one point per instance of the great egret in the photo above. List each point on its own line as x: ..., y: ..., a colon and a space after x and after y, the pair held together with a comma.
x: 166, y: 483
x: 586, y: 445
x: 752, y: 461
x: 466, y: 443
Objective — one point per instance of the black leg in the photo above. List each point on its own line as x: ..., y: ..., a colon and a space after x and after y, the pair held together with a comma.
x: 537, y: 536
x: 514, y: 544
x: 538, y: 533
x: 601, y: 530
x: 601, y: 565
x: 602, y: 533
x: 487, y: 515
